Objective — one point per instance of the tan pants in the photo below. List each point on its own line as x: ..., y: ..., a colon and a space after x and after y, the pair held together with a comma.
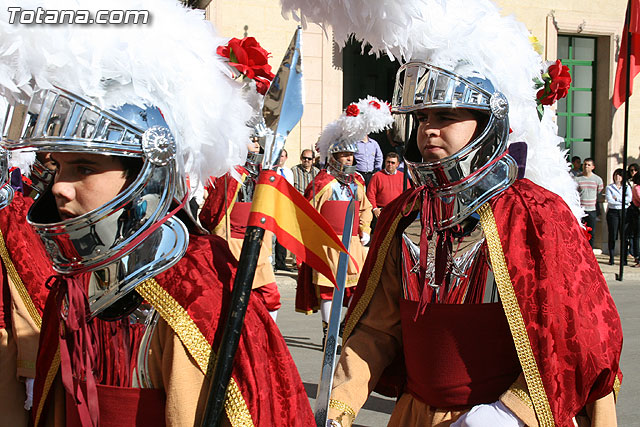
x: 12, y: 390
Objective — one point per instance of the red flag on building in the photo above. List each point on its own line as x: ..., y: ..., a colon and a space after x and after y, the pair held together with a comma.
x: 277, y: 206
x: 631, y: 25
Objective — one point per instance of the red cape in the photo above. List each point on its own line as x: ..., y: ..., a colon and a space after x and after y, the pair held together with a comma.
x: 26, y: 250
x: 263, y: 368
x: 572, y: 323
x: 216, y: 206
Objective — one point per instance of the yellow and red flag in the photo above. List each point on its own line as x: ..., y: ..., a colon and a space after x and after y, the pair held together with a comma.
x: 277, y: 206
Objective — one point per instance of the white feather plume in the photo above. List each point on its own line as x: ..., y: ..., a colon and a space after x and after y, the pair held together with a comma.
x: 450, y: 33
x: 22, y: 160
x: 170, y: 62
x: 374, y: 116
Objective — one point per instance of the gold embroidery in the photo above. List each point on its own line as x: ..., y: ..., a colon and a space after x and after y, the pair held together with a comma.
x: 341, y: 406
x: 235, y: 406
x: 179, y: 320
x: 520, y: 390
x: 514, y: 318
x: 17, y: 282
x: 51, y: 375
x: 372, y: 281
x: 196, y: 343
x: 616, y: 387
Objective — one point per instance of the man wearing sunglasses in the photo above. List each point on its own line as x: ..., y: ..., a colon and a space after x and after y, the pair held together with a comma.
x: 304, y: 172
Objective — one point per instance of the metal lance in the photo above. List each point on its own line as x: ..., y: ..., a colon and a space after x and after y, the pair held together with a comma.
x: 282, y: 110
x: 331, y: 344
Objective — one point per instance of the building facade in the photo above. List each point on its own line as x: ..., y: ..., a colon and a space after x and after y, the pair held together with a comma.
x: 586, y: 35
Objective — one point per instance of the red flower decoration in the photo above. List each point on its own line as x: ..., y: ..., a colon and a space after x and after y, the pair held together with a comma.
x: 375, y: 104
x: 587, y: 232
x: 389, y: 106
x: 556, y: 84
x: 262, y: 85
x: 352, y: 110
x: 250, y: 59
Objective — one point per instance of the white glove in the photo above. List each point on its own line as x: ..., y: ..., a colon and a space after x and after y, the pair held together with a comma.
x: 365, y: 239
x: 28, y: 385
x: 494, y: 414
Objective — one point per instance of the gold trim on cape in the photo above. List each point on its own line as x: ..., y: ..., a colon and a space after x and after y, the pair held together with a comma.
x: 520, y: 390
x: 341, y: 406
x: 51, y: 375
x: 186, y: 329
x: 616, y: 387
x: 17, y: 282
x: 372, y: 280
x: 514, y: 318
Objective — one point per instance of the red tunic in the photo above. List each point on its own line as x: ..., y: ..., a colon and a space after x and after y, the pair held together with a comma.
x: 572, y: 323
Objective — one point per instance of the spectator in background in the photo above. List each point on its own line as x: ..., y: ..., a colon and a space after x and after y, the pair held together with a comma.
x: 590, y: 187
x: 280, y: 251
x: 368, y: 158
x: 282, y: 169
x: 304, y: 172
x: 576, y: 166
x: 632, y: 169
x: 613, y: 196
x: 634, y: 219
x: 385, y: 185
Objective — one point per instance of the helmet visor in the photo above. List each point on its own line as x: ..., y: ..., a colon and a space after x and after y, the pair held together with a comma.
x: 420, y: 85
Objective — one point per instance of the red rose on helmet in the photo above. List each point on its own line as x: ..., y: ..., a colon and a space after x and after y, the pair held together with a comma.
x: 556, y: 84
x: 249, y: 58
x: 352, y: 110
x: 375, y: 104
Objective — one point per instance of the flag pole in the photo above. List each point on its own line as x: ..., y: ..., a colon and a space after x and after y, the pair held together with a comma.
x: 623, y: 244
x: 283, y: 105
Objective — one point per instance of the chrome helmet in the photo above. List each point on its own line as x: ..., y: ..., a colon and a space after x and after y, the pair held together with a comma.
x: 368, y: 115
x: 481, y: 169
x: 130, y: 237
x: 134, y: 92
x: 344, y: 173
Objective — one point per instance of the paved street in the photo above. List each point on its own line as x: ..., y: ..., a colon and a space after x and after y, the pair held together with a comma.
x: 303, y: 335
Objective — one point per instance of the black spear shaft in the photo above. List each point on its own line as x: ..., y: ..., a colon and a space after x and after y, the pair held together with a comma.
x: 233, y: 327
x: 282, y: 111
x: 623, y: 243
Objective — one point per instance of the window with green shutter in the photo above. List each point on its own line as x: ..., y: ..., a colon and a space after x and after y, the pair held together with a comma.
x: 576, y: 112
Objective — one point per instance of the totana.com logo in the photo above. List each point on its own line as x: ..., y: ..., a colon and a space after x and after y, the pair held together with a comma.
x: 17, y: 15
